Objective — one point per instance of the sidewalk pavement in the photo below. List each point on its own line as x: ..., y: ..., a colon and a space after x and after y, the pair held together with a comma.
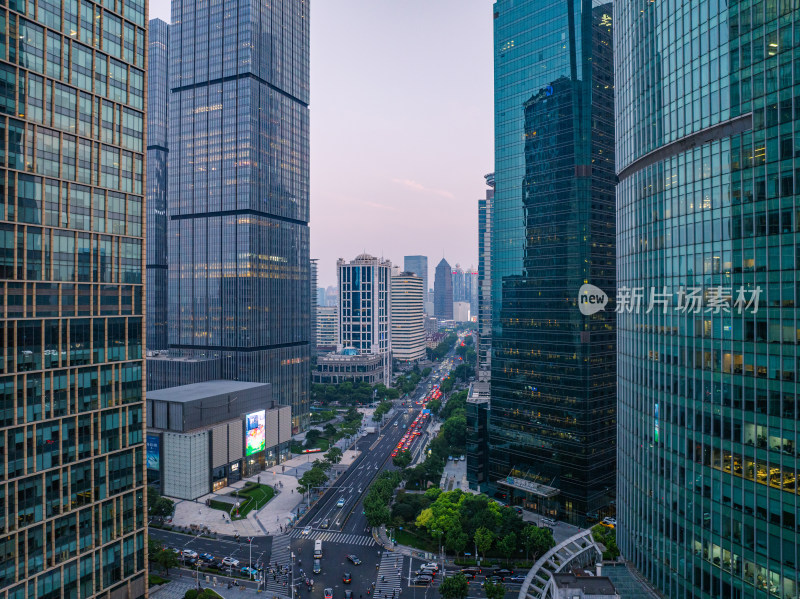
x: 267, y: 520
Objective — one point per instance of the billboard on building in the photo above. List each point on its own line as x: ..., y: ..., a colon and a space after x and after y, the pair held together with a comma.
x: 255, y: 432
x: 153, y: 452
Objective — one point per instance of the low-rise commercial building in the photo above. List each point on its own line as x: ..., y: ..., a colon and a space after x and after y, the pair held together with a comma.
x: 349, y: 365
x: 570, y: 586
x: 205, y: 436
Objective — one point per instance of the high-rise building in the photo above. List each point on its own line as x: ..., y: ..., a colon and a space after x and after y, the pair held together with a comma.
x: 157, y: 157
x: 238, y: 192
x: 365, y: 308
x: 327, y: 328
x: 312, y: 294
x: 73, y: 506
x: 332, y: 295
x: 471, y: 286
x: 459, y: 284
x: 461, y: 311
x: 443, y: 291
x: 707, y: 116
x: 408, y: 319
x: 419, y: 266
x: 485, y: 281
x: 322, y: 300
x: 552, y: 427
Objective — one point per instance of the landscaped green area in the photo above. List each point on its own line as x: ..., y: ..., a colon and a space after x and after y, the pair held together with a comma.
x: 331, y: 432
x: 154, y: 579
x: 252, y: 496
x: 606, y: 536
x: 204, y: 594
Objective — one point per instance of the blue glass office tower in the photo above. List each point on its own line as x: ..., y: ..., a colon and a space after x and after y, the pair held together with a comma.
x: 157, y: 156
x: 72, y: 150
x: 238, y: 191
x: 708, y: 150
x: 551, y: 427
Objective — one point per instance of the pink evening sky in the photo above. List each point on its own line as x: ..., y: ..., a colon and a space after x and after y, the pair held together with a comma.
x: 401, y: 128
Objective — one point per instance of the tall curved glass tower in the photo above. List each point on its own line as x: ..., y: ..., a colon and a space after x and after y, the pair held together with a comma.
x: 707, y: 217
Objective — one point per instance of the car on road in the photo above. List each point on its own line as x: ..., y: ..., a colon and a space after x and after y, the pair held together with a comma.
x: 471, y: 570
x: 317, y: 566
x: 176, y: 550
x: 247, y: 571
x: 431, y: 566
x: 325, y: 523
x: 492, y: 578
x: 340, y: 503
x: 503, y: 572
x: 346, y: 578
x: 348, y: 594
x: 426, y: 572
x: 230, y: 561
x: 548, y: 521
x: 207, y: 557
x: 328, y: 593
x: 306, y: 530
x: 517, y: 578
x: 353, y: 559
x: 422, y: 579
x: 189, y: 553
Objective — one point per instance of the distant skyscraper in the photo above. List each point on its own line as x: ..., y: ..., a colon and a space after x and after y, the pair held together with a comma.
x: 419, y: 266
x: 443, y: 291
x: 332, y: 295
x: 327, y: 328
x: 238, y: 192
x: 365, y: 309
x: 322, y: 300
x: 157, y: 155
x: 471, y: 285
x: 408, y: 319
x: 313, y: 297
x: 553, y: 368
x: 459, y: 284
x: 707, y: 117
x: 485, y: 281
x: 72, y: 287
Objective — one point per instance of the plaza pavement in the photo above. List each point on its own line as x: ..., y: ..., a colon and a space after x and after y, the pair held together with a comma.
x: 279, y: 512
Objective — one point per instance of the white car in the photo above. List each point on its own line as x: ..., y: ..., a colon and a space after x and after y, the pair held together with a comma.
x: 189, y: 553
x: 230, y: 561
x: 306, y: 530
x: 340, y: 503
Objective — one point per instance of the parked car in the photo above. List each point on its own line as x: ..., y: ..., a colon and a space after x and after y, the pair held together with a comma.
x: 353, y: 559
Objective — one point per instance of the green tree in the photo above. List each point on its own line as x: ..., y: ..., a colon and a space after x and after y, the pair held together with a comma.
x: 494, y: 590
x: 162, y: 508
x: 334, y: 455
x: 312, y: 436
x: 330, y: 430
x: 153, y: 547
x: 402, y: 459
x: 167, y: 559
x: 537, y: 541
x: 454, y: 587
x: 312, y: 478
x: 508, y: 545
x: 456, y: 541
x: 483, y: 540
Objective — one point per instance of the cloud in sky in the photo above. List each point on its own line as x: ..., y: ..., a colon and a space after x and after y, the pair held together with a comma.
x: 420, y: 187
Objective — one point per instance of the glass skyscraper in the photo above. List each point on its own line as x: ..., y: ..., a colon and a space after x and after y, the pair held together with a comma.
x: 238, y: 198
x: 708, y: 150
x: 157, y: 156
x: 72, y: 464
x: 443, y: 291
x: 551, y: 426
x: 419, y: 266
x: 485, y: 281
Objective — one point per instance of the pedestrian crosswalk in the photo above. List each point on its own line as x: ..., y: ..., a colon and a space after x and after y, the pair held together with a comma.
x: 277, y: 578
x: 389, y: 581
x: 334, y: 537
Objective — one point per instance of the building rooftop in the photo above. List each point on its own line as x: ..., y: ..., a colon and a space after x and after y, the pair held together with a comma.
x: 197, y: 391
x: 590, y: 585
x: 479, y: 392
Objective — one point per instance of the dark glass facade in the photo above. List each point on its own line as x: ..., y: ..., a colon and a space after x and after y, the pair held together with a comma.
x: 485, y: 206
x: 72, y: 463
x: 443, y: 291
x: 238, y: 198
x: 708, y: 150
x: 157, y: 156
x: 419, y: 266
x: 553, y: 368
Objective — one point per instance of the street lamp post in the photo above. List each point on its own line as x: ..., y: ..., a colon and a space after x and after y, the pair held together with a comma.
x: 291, y: 581
x: 250, y: 541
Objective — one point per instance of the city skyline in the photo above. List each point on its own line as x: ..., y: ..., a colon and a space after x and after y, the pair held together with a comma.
x: 425, y: 79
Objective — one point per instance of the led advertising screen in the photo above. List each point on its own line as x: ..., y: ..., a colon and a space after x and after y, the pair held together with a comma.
x: 153, y: 453
x: 254, y: 433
